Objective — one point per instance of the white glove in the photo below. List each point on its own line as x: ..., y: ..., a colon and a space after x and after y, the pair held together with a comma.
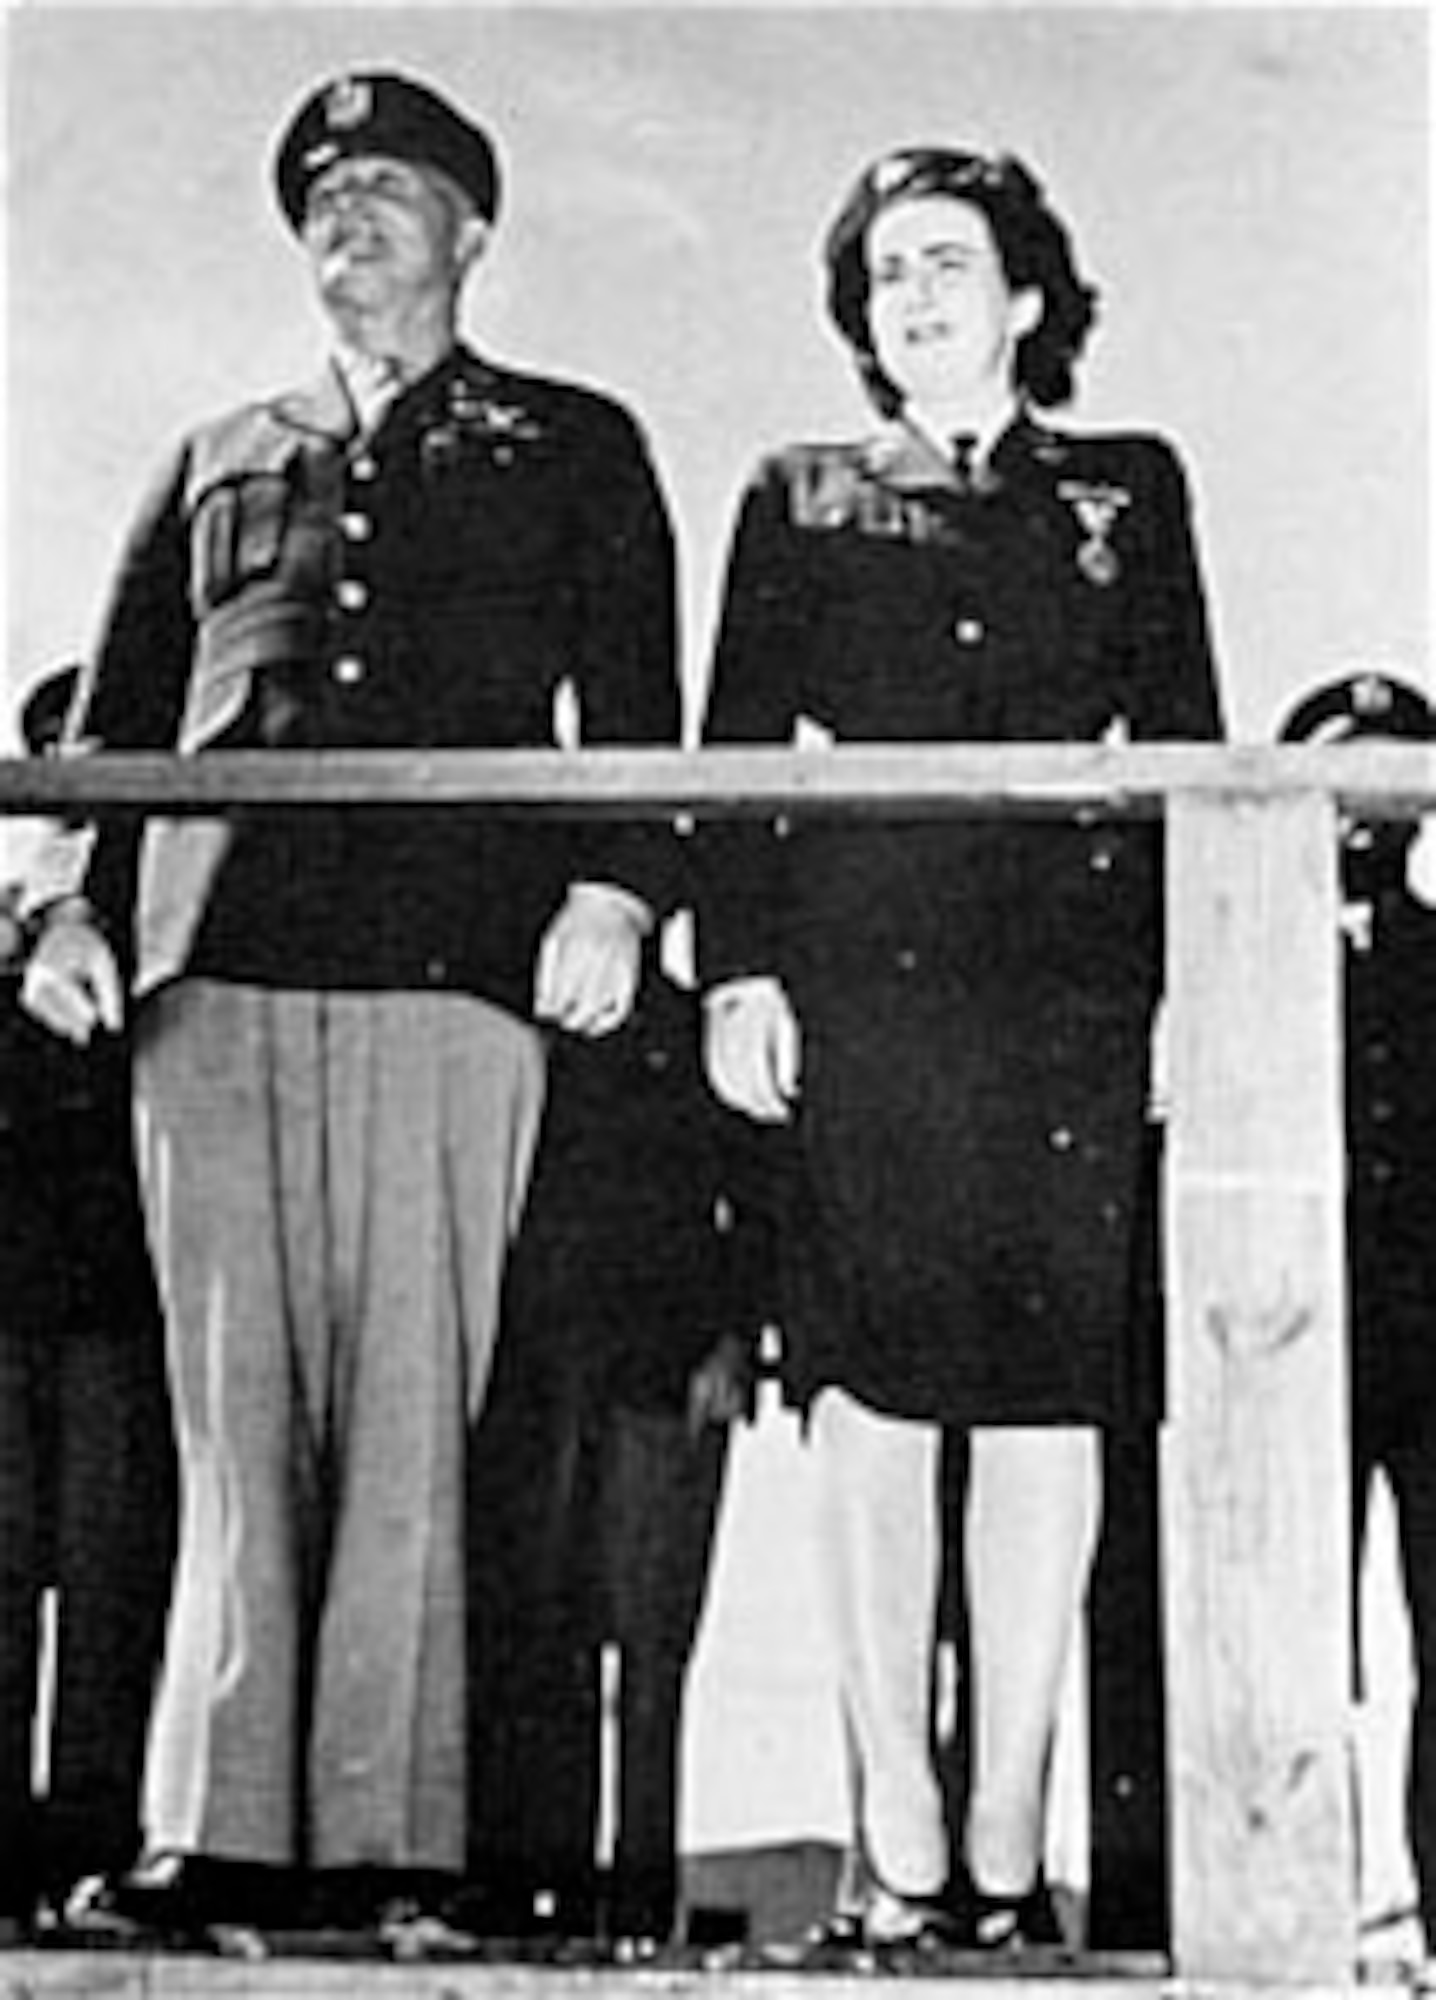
x: 72, y: 979
x: 589, y: 961
x: 752, y: 1048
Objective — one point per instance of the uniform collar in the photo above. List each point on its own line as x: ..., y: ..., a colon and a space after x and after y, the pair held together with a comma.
x: 372, y: 385
x: 904, y: 455
x: 329, y: 407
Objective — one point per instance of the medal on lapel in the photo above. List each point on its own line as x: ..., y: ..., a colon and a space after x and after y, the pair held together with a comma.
x: 1097, y: 509
x: 502, y: 427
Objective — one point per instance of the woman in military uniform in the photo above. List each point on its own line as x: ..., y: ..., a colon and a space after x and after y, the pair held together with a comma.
x: 956, y: 1016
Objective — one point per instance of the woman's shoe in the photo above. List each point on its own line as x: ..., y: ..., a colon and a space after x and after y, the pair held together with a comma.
x: 893, y: 1922
x: 1011, y: 1923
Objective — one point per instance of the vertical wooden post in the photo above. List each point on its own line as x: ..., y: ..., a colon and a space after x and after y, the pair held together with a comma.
x: 1256, y: 1530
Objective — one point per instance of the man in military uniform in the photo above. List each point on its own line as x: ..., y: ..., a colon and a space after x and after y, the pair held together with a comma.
x: 87, y: 1503
x: 339, y: 1016
x: 1390, y: 959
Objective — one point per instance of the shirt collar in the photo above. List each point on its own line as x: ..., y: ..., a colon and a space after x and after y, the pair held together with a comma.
x: 984, y: 437
x: 372, y: 382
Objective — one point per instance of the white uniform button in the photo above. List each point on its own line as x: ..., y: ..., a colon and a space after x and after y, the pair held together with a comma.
x: 1061, y: 1138
x: 351, y: 593
x: 355, y: 527
x: 968, y: 632
x: 348, y: 670
x: 364, y: 467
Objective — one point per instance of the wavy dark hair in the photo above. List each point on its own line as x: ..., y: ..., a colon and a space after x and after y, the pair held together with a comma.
x: 1032, y: 244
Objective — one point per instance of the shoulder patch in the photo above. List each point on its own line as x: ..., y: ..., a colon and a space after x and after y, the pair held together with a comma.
x: 828, y: 487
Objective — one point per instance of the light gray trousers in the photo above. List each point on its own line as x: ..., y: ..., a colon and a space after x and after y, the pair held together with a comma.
x: 330, y: 1181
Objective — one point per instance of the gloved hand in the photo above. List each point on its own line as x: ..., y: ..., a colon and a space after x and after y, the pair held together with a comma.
x: 753, y: 1048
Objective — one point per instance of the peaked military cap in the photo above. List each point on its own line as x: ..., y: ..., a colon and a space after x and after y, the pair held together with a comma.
x: 1361, y: 704
x: 376, y: 111
x: 42, y: 715
x: 1374, y: 853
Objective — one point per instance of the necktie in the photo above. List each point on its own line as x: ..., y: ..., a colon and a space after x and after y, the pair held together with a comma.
x: 964, y: 451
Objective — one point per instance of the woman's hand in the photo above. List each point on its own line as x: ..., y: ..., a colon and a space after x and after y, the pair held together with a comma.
x: 752, y: 1048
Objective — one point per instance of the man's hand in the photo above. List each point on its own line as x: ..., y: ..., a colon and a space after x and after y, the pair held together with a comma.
x: 753, y: 1048
x: 589, y: 961
x: 72, y: 981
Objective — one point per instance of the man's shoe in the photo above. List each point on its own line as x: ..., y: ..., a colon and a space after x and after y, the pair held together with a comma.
x: 92, y: 1911
x: 414, y: 1928
x: 182, y: 1898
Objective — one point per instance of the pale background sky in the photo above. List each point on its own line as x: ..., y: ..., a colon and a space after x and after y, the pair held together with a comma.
x: 1250, y: 188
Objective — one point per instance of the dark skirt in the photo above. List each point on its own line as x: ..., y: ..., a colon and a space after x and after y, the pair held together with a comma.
x: 974, y: 1230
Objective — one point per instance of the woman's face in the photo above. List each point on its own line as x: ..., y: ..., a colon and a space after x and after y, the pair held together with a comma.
x: 944, y: 321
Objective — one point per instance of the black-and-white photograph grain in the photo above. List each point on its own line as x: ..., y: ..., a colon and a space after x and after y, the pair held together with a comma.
x: 717, y: 997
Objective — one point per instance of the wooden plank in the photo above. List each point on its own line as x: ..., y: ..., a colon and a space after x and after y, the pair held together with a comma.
x: 894, y: 780
x: 106, y: 1975
x: 1256, y: 1515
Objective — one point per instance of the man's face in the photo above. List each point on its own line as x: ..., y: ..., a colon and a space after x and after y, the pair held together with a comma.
x: 381, y: 231
x: 944, y: 320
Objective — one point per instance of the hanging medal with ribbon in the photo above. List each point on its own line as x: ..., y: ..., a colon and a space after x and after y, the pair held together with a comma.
x: 1098, y: 509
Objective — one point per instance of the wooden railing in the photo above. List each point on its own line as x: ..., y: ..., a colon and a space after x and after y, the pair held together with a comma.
x: 1256, y: 1531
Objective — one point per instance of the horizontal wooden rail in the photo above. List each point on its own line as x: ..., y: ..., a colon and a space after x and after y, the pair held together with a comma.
x: 1387, y: 780
x: 1256, y: 1484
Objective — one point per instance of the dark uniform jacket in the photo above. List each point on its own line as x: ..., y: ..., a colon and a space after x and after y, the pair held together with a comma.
x: 643, y: 1242
x: 292, y: 584
x: 976, y: 995
x: 1391, y: 1187
x: 87, y: 1466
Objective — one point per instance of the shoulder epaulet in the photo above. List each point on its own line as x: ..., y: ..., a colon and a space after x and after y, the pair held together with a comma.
x: 820, y: 482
